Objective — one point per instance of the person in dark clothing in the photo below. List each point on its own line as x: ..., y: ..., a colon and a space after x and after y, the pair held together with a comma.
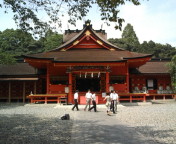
x: 76, y: 101
x: 93, y: 97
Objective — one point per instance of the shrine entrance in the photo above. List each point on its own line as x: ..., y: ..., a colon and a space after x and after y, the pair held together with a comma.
x: 84, y: 84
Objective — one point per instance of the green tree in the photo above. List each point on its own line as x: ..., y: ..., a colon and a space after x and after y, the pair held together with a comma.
x: 172, y: 70
x: 26, y: 13
x: 15, y: 42
x: 51, y: 40
x: 158, y: 50
x: 119, y: 42
x: 6, y: 59
x: 130, y: 38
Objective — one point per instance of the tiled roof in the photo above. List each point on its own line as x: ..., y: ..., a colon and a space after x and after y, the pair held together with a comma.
x: 81, y: 33
x: 68, y: 52
x: 87, y: 55
x: 150, y: 67
x: 24, y: 69
x: 17, y: 69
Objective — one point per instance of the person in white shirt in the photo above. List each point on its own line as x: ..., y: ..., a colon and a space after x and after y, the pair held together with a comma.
x: 76, y: 101
x: 114, y: 98
x: 108, y: 102
x: 94, y: 103
x: 88, y: 99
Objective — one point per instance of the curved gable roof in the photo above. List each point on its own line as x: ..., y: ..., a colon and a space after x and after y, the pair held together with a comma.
x: 89, y: 46
x: 89, y: 32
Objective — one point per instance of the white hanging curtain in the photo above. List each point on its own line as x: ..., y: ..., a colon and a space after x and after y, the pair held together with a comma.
x: 85, y: 74
x: 98, y: 74
x: 92, y: 74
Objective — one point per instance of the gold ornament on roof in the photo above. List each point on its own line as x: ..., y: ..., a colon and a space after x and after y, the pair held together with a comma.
x: 63, y: 50
x: 99, y: 42
x: 76, y: 42
x: 87, y: 33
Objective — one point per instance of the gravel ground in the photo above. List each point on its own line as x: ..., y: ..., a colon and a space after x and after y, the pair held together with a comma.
x: 40, y: 123
x: 156, y: 122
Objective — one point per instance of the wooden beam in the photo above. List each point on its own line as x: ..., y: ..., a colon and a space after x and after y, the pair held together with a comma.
x: 9, y: 91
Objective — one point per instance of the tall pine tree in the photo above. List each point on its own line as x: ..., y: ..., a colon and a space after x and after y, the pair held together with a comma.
x: 130, y: 38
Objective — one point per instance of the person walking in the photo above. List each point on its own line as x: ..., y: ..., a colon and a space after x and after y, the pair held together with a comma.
x: 76, y: 100
x: 88, y: 99
x: 108, y: 102
x: 114, y: 98
x: 93, y: 98
x: 111, y: 104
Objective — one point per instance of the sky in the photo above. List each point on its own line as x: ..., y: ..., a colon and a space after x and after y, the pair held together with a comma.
x: 152, y: 20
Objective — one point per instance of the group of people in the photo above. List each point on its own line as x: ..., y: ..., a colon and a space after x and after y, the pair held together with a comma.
x: 111, y: 101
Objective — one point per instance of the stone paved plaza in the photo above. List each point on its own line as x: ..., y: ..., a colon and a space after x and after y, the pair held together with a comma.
x: 41, y: 124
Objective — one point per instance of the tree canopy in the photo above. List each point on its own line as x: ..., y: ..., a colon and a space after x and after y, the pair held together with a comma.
x: 129, y: 41
x: 14, y: 43
x: 52, y: 40
x: 27, y: 13
x: 129, y: 36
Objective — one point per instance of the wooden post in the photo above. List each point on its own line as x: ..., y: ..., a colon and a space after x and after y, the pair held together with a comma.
x: 31, y: 99
x: 144, y: 98
x: 164, y: 97
x: 70, y: 98
x: 24, y: 92
x: 107, y: 81
x: 45, y: 99
x: 35, y: 87
x: 9, y: 91
x: 47, y: 80
x: 130, y: 98
x: 127, y: 77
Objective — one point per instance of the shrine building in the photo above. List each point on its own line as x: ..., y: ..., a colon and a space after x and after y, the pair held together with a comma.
x: 86, y: 60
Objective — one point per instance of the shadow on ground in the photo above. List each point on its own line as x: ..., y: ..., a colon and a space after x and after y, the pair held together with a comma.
x: 109, y: 134
x: 28, y: 129
x: 10, y: 105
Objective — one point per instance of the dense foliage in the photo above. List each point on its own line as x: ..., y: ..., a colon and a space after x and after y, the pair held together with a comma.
x: 14, y: 43
x: 27, y: 14
x: 129, y: 41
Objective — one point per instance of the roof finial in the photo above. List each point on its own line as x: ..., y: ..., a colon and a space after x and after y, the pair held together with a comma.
x: 87, y: 23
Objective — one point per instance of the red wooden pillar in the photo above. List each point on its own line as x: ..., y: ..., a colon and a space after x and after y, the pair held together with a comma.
x: 107, y: 81
x: 127, y: 77
x: 70, y: 98
x: 131, y: 98
x: 144, y: 99
x: 47, y: 80
x: 45, y: 99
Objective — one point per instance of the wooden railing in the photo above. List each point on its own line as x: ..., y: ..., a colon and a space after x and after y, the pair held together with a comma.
x: 59, y: 98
